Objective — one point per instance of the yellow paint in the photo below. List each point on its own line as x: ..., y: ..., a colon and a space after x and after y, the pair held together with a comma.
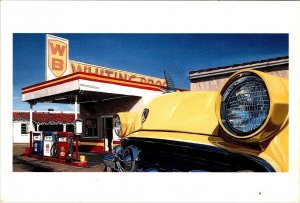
x: 278, y: 114
x: 183, y: 112
x: 277, y: 152
x: 128, y: 123
x: 57, y: 56
x: 194, y: 117
x: 98, y: 144
x: 170, y: 112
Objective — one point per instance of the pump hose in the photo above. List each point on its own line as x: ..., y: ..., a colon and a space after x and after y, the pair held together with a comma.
x: 53, y: 150
x: 70, y: 151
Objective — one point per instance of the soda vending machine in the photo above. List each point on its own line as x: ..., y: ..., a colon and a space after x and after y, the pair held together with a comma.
x: 37, y: 144
x: 49, y: 140
x: 65, y: 145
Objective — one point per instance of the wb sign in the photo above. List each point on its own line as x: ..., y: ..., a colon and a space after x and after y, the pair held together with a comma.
x: 57, y: 57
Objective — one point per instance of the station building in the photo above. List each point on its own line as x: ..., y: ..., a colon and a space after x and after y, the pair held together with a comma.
x: 214, y: 78
x: 97, y: 93
x: 42, y: 121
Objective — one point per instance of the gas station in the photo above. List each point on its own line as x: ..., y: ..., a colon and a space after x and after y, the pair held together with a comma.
x: 98, y: 91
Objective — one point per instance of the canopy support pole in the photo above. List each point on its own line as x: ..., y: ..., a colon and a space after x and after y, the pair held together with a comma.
x: 76, y: 103
x: 30, y: 118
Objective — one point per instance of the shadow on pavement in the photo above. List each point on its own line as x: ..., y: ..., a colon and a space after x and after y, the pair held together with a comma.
x: 28, y: 164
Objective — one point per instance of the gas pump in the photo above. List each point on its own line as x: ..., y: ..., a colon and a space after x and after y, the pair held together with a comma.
x: 65, y: 145
x: 37, y: 148
x: 49, y: 140
x: 57, y: 146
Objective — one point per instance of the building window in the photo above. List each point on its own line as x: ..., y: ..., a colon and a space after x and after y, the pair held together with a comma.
x: 23, y: 128
x: 90, y: 127
x: 52, y: 127
x: 70, y: 128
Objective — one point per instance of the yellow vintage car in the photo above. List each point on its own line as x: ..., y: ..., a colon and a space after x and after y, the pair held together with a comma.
x: 242, y: 128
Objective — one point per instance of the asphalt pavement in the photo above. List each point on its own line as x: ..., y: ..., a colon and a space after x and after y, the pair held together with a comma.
x: 28, y: 164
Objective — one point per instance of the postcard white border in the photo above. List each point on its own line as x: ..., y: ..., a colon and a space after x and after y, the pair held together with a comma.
x: 148, y: 17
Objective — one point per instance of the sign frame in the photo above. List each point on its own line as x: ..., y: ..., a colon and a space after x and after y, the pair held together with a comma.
x: 62, y: 59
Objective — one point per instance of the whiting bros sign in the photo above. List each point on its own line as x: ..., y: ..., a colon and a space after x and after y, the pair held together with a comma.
x: 58, y: 64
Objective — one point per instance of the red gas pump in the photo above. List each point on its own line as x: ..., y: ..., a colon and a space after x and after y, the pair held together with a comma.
x: 65, y: 145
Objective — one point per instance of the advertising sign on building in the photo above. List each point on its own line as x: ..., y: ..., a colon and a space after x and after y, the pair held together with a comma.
x: 57, y: 57
x: 58, y: 64
x: 79, y: 67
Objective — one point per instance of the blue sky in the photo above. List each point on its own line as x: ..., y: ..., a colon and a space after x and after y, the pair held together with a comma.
x: 148, y: 54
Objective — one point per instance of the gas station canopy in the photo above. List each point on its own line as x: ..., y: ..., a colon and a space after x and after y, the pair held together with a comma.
x: 69, y: 81
x: 88, y: 88
x: 103, y: 91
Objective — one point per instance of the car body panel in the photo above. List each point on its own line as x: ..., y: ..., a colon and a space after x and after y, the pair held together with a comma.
x: 180, y: 111
x: 194, y: 117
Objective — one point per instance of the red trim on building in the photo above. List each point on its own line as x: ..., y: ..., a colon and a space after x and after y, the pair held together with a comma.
x: 119, y: 79
x: 53, y: 80
x: 81, y: 75
x: 116, y: 142
x: 91, y: 148
x: 96, y: 147
x: 38, y: 87
x: 135, y: 84
x: 45, y: 117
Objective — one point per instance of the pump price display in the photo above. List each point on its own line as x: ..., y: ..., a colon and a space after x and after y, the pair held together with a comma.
x: 48, y: 138
x: 62, y: 139
x: 37, y: 137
